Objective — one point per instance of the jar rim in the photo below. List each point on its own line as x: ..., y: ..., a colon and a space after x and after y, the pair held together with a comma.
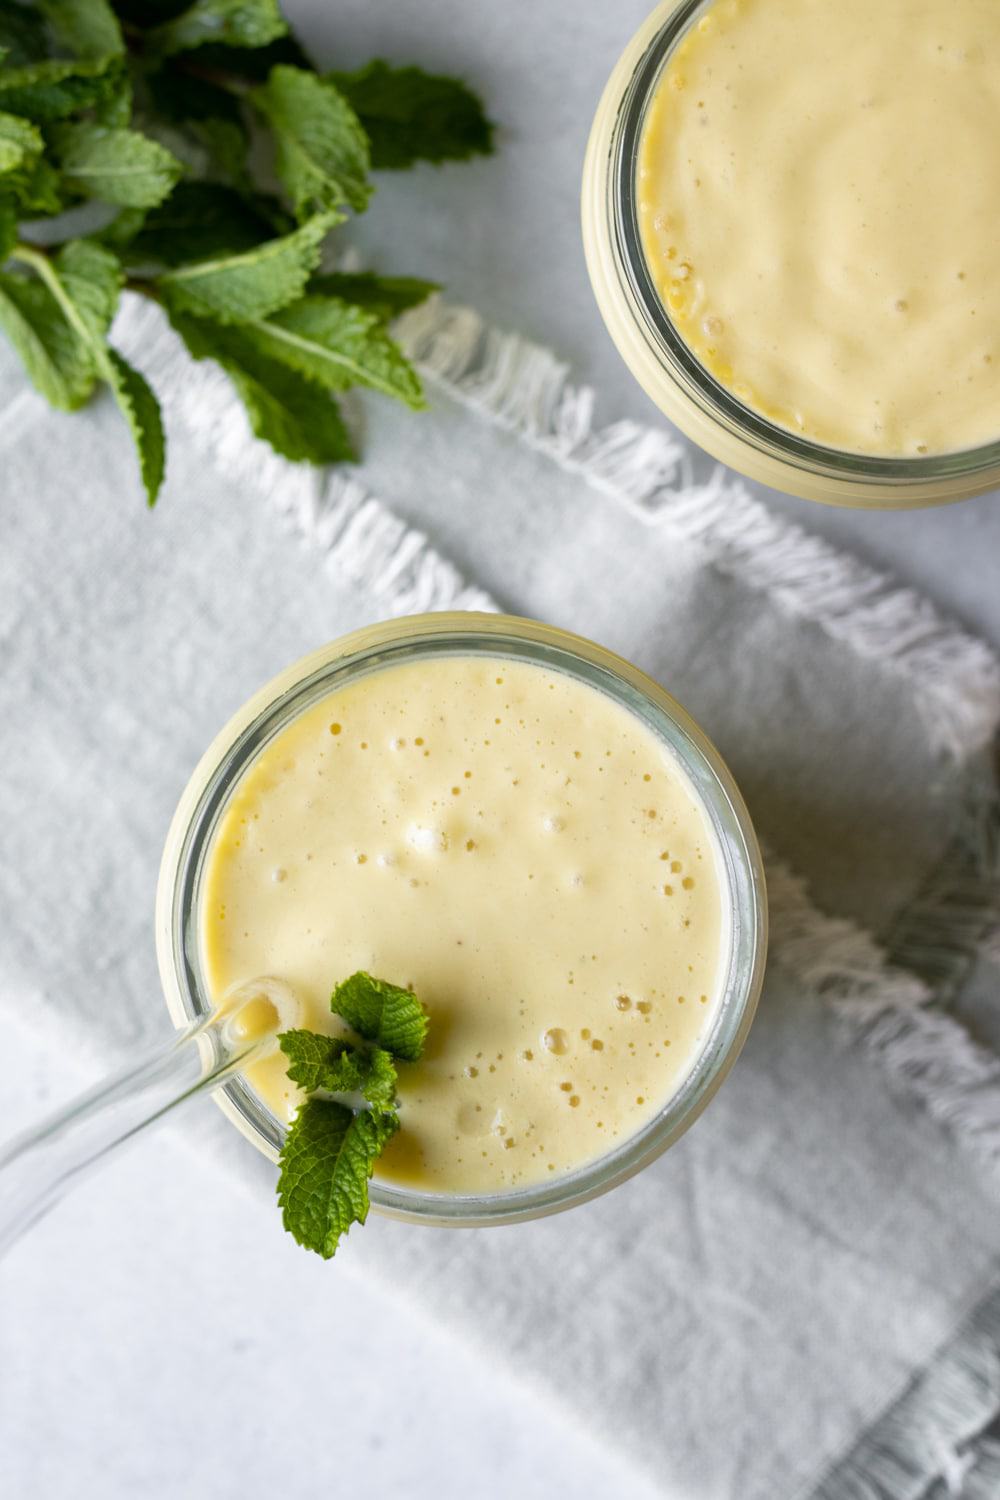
x: 418, y: 638
x: 769, y: 441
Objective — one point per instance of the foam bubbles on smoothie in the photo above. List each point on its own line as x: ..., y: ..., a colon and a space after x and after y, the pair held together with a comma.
x: 427, y: 840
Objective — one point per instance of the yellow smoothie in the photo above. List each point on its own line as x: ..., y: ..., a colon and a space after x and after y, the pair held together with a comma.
x: 819, y: 201
x: 524, y: 852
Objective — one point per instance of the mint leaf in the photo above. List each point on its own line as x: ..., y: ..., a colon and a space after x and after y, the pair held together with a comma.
x: 90, y: 277
x: 337, y: 346
x: 24, y: 174
x: 199, y: 221
x: 38, y: 191
x: 339, y: 1067
x: 321, y: 151
x: 57, y: 363
x: 327, y: 1159
x: 285, y: 410
x: 85, y: 280
x: 410, y: 115
x: 379, y: 1087
x: 382, y: 1013
x: 55, y: 87
x: 385, y: 297
x: 21, y: 145
x: 141, y: 411
x: 234, y: 23
x: 87, y: 27
x: 117, y: 166
x: 239, y: 288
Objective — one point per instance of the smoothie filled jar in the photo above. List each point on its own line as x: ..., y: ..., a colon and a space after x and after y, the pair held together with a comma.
x: 530, y: 833
x: 789, y: 217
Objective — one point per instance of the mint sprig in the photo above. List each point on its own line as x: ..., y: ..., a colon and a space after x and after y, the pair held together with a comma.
x: 170, y: 114
x: 328, y: 1157
x: 330, y: 1063
x: 330, y: 1149
x: 383, y: 1013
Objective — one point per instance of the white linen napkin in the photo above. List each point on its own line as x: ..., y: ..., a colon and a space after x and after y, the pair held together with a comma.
x: 747, y: 1316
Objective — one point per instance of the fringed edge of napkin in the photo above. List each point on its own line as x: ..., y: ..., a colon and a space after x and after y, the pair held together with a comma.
x: 893, y: 1012
x: 955, y: 678
x: 935, y: 1441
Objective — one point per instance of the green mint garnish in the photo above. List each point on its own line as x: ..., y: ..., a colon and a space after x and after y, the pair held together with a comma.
x: 328, y: 1156
x: 339, y: 1067
x: 382, y: 1013
x: 330, y: 1150
x: 409, y: 115
x: 90, y: 90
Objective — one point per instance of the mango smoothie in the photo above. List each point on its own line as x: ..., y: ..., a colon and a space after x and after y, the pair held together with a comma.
x: 788, y: 212
x: 530, y: 857
x: 819, y: 194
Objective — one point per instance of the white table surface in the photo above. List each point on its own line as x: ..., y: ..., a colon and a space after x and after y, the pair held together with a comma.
x: 159, y: 1335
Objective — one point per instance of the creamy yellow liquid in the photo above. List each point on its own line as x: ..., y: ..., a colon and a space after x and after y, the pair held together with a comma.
x: 526, y: 854
x: 819, y: 196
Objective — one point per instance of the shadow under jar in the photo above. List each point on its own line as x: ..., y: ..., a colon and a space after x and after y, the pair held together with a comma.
x: 825, y: 118
x: 423, y: 653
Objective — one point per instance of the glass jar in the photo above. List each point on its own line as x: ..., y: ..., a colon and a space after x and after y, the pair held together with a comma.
x: 661, y: 361
x: 178, y: 925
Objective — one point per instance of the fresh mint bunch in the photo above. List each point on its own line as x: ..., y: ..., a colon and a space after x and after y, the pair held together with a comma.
x: 331, y: 1148
x: 160, y: 112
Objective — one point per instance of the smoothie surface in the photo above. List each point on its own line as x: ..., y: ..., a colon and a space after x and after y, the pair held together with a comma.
x: 523, y: 851
x: 819, y: 195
